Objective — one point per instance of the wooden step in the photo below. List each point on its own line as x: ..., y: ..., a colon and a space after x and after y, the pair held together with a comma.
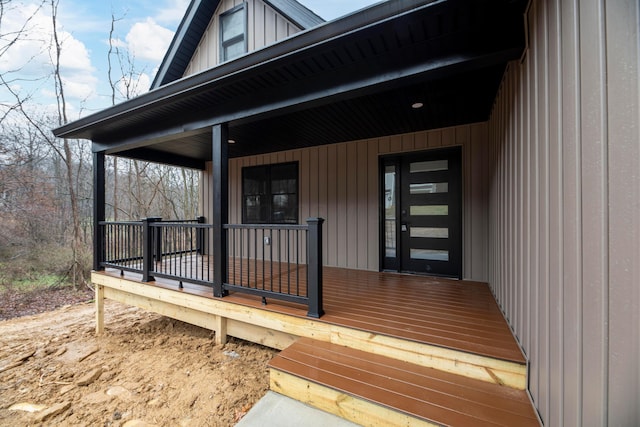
x: 375, y: 390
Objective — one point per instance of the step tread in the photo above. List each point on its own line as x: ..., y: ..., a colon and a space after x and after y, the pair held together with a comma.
x: 422, y: 392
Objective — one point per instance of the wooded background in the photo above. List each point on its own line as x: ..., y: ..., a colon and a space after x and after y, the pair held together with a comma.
x: 46, y: 183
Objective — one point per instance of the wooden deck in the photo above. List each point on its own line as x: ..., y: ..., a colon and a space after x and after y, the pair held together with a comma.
x: 459, y: 315
x: 448, y: 315
x: 441, y: 337
x: 454, y: 314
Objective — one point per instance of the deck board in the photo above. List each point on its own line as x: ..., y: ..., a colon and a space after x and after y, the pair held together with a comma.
x: 421, y: 392
x: 460, y: 315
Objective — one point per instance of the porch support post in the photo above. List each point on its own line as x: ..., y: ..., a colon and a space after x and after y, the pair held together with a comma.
x: 220, y: 160
x: 99, y: 202
x: 314, y: 269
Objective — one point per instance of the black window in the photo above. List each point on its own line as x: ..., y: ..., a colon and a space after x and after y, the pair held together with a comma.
x: 233, y: 33
x: 270, y: 194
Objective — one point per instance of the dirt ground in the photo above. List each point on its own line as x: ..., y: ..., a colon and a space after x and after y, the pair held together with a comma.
x: 144, y: 370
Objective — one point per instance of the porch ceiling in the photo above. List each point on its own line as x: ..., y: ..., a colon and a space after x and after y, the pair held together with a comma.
x: 349, y: 79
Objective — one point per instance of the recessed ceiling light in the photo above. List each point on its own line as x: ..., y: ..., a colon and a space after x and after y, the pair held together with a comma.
x: 231, y: 141
x: 417, y: 105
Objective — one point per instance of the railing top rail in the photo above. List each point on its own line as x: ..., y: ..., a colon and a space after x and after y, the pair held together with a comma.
x: 120, y: 222
x: 192, y: 224
x: 266, y: 226
x: 179, y: 224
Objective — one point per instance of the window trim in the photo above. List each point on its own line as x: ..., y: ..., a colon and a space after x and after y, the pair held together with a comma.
x: 269, y: 193
x: 244, y: 37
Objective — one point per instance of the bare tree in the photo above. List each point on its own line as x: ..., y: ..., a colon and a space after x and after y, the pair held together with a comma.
x: 8, y: 39
x: 66, y: 155
x: 45, y: 183
x: 112, y: 85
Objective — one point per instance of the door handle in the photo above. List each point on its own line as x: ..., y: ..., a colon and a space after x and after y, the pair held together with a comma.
x: 404, y: 227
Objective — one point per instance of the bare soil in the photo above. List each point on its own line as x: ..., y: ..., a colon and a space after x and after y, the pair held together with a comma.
x: 144, y: 370
x: 18, y: 303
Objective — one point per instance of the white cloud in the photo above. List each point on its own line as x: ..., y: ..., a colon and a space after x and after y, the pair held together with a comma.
x: 30, y: 47
x: 133, y: 85
x: 74, y: 55
x: 31, y: 58
x: 172, y: 12
x: 148, y: 40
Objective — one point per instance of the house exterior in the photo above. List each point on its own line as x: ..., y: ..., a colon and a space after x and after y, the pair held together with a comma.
x: 493, y: 141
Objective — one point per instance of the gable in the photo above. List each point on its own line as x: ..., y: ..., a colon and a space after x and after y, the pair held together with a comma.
x: 195, y: 46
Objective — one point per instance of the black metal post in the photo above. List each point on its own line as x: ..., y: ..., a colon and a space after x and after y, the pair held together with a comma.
x: 148, y: 248
x: 157, y: 239
x: 314, y: 268
x: 98, y: 210
x: 220, y: 160
x: 200, y: 236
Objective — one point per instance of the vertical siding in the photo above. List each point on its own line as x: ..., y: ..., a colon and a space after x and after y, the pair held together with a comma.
x: 340, y: 183
x: 564, y: 209
x: 265, y: 26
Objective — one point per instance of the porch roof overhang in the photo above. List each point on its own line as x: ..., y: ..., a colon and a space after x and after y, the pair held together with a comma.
x: 348, y: 79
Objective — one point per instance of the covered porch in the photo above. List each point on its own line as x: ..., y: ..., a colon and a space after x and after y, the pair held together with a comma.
x: 339, y: 100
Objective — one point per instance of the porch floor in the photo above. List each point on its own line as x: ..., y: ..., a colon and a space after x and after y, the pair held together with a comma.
x: 452, y: 314
x: 437, y: 333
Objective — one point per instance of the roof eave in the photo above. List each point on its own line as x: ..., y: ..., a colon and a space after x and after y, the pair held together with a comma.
x: 82, y: 128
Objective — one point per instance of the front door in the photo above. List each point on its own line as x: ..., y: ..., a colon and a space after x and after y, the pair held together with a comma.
x: 422, y: 212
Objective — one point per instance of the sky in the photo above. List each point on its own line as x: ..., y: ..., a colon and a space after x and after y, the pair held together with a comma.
x: 143, y: 29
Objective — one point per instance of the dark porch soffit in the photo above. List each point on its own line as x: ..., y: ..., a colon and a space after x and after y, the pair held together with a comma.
x: 370, y: 66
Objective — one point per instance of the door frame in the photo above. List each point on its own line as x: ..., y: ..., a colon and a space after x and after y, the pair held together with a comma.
x: 397, y: 159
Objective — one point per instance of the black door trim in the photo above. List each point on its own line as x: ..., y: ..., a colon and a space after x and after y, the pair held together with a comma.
x: 402, y: 262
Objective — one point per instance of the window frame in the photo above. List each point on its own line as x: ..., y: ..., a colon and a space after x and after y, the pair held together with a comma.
x: 269, y: 193
x: 241, y: 8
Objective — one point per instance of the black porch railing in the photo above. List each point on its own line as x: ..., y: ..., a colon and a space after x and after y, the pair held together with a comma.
x: 124, y: 245
x: 282, y: 262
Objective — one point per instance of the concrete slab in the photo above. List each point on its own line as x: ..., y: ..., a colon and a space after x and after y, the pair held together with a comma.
x: 276, y: 410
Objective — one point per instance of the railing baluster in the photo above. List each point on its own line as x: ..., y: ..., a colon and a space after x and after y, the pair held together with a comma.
x: 241, y: 280
x: 255, y: 257
x: 288, y: 261
x: 236, y: 252
x: 249, y: 257
x: 297, y: 262
x: 271, y: 259
x: 280, y: 261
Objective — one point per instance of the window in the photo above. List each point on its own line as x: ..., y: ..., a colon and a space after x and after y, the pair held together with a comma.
x: 270, y: 194
x: 233, y: 30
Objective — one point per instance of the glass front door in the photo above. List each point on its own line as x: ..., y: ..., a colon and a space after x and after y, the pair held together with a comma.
x: 422, y: 227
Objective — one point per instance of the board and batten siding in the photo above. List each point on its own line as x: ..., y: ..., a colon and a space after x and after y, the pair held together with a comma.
x: 564, y: 197
x: 264, y: 26
x: 340, y: 183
